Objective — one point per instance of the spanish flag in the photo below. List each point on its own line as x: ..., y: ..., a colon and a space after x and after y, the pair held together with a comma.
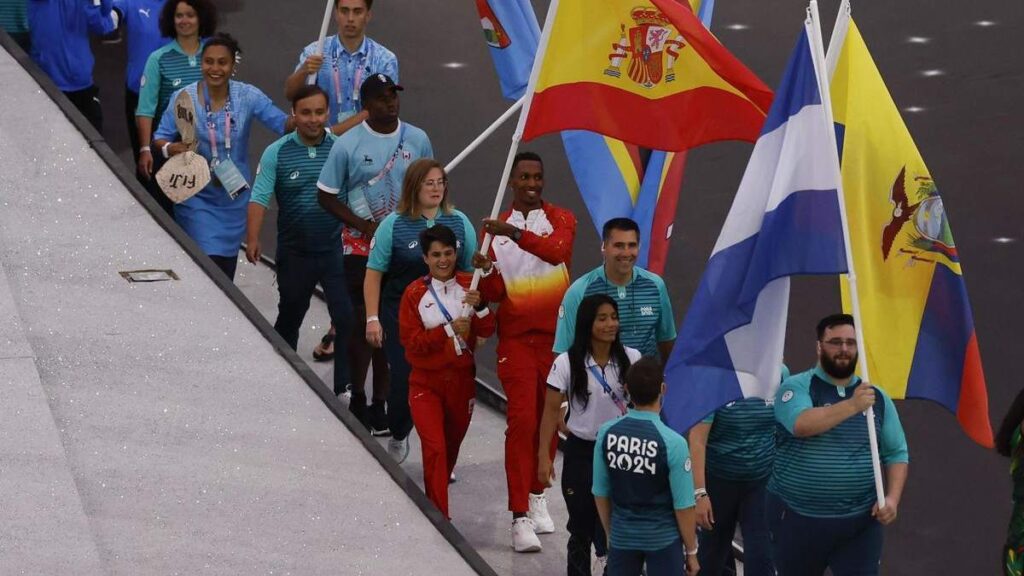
x: 647, y: 73
x: 917, y: 321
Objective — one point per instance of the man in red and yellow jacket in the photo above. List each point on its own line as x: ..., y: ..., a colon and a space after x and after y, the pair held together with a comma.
x: 531, y: 253
x: 439, y: 343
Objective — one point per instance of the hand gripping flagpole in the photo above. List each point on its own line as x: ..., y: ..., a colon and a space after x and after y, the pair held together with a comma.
x: 485, y: 134
x: 813, y: 25
x: 311, y: 79
x: 517, y: 136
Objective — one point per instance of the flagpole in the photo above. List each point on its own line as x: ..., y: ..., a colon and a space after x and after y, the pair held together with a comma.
x: 485, y: 134
x: 311, y: 79
x: 814, y: 25
x: 517, y: 136
x: 835, y: 42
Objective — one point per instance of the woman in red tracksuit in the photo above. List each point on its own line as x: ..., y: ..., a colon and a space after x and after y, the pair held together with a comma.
x: 439, y: 343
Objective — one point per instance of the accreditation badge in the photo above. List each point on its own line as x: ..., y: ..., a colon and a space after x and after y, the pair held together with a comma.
x: 230, y: 177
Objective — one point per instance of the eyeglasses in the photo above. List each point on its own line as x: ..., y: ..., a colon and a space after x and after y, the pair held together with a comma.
x: 840, y: 342
x: 440, y: 183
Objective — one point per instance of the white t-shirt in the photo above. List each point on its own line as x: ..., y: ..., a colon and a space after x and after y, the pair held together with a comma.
x: 584, y: 422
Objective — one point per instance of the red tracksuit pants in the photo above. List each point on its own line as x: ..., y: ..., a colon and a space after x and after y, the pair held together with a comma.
x: 442, y: 406
x: 523, y: 366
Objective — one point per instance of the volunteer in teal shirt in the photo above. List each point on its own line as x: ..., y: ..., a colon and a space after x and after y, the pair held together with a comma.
x: 821, y: 506
x: 643, y: 484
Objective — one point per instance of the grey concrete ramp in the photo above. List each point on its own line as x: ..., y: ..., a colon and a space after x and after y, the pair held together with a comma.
x: 154, y: 428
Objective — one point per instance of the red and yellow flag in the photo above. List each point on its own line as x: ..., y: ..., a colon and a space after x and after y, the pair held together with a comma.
x: 646, y: 73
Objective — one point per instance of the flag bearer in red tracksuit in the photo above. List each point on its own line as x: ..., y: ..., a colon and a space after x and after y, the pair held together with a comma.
x: 439, y: 343
x: 531, y: 252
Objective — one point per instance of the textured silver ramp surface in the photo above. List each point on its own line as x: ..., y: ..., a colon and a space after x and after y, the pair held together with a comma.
x: 192, y: 447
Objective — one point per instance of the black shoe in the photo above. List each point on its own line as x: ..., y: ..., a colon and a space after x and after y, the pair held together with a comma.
x: 378, y: 420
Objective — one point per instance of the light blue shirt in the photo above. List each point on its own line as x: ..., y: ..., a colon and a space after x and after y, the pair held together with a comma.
x: 211, y: 217
x: 352, y: 69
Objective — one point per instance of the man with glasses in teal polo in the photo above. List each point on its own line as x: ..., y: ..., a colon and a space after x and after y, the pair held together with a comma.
x: 821, y: 505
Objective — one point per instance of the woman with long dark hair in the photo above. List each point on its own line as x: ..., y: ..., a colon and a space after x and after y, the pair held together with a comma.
x: 225, y: 110
x: 1009, y: 444
x: 591, y: 376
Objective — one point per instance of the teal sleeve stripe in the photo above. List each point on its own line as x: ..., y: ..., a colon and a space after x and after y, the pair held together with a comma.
x: 667, y: 322
x: 466, y: 257
x: 792, y: 399
x: 566, y: 327
x: 380, y: 251
x: 149, y: 92
x: 266, y: 175
x: 602, y: 482
x: 680, y: 475
x: 893, y: 442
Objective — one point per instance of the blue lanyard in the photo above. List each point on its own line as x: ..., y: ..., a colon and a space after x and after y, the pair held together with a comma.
x: 460, y: 343
x: 599, y: 376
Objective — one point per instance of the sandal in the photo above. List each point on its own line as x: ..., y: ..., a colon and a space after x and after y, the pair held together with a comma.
x: 325, y: 349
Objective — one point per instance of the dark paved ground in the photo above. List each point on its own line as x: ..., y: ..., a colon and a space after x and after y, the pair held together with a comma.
x: 956, y: 504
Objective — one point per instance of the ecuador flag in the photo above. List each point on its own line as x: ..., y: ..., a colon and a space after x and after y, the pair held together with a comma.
x: 916, y: 318
x: 649, y: 74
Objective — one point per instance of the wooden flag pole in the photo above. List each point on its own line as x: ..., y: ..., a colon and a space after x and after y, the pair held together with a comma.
x: 311, y: 79
x: 824, y: 80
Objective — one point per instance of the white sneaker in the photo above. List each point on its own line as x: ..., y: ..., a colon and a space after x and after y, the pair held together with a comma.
x: 538, y: 512
x: 523, y: 537
x: 398, y: 449
x: 599, y: 566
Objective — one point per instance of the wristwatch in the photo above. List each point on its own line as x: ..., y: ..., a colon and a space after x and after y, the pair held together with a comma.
x: 517, y: 235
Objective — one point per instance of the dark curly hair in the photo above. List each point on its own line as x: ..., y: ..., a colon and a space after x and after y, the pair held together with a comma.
x: 226, y: 40
x: 205, y: 9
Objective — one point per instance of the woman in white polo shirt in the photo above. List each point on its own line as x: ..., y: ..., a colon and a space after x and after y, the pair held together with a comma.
x: 591, y: 376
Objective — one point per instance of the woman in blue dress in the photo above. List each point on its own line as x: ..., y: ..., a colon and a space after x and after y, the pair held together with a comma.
x: 216, y: 216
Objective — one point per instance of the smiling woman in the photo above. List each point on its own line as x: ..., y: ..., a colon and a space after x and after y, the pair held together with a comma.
x: 216, y: 217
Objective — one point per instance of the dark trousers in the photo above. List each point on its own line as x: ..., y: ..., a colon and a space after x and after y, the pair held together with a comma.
x: 584, y: 525
x: 227, y: 265
x: 805, y: 546
x: 131, y: 101
x: 297, y: 277
x: 24, y: 39
x: 669, y: 561
x: 399, y: 417
x: 362, y: 354
x: 88, y: 103
x: 736, y: 502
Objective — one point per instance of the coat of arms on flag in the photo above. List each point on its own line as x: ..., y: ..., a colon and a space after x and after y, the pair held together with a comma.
x: 652, y: 46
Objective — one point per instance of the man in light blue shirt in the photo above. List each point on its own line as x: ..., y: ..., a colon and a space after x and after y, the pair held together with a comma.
x: 348, y: 59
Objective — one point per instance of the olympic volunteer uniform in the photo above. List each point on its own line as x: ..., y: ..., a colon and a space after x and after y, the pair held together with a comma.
x: 584, y: 423
x: 528, y: 281
x: 442, y: 384
x: 167, y: 70
x: 214, y: 219
x: 645, y: 312
x: 141, y: 20
x: 395, y: 252
x: 643, y: 467
x: 737, y: 463
x: 60, y: 32
x: 822, y: 487
x: 342, y: 72
x: 308, y: 239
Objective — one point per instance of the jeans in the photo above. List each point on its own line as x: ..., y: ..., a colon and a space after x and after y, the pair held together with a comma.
x: 584, y: 525
x: 732, y: 502
x: 297, y: 277
x: 805, y: 546
x: 399, y: 416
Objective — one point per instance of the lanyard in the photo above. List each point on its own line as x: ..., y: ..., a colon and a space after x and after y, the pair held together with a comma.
x: 356, y: 81
x: 460, y: 344
x: 391, y: 162
x: 211, y: 125
x: 599, y: 376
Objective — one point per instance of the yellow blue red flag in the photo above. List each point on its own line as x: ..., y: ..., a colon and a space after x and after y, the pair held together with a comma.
x: 649, y: 74
x: 915, y: 314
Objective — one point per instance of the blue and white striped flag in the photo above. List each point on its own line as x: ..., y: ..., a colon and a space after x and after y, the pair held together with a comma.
x: 784, y: 221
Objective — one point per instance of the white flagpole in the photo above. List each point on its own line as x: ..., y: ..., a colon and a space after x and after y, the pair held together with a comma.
x: 814, y: 32
x: 485, y: 134
x: 835, y: 42
x: 517, y: 136
x: 311, y: 79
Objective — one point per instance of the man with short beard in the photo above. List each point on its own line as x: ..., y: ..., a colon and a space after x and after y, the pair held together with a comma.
x: 821, y: 506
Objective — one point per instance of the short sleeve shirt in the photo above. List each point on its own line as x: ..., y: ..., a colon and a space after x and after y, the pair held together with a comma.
x: 644, y: 467
x: 289, y: 169
x: 584, y: 420
x: 645, y: 312
x: 167, y: 70
x: 343, y: 72
x: 830, y: 475
x: 365, y: 170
